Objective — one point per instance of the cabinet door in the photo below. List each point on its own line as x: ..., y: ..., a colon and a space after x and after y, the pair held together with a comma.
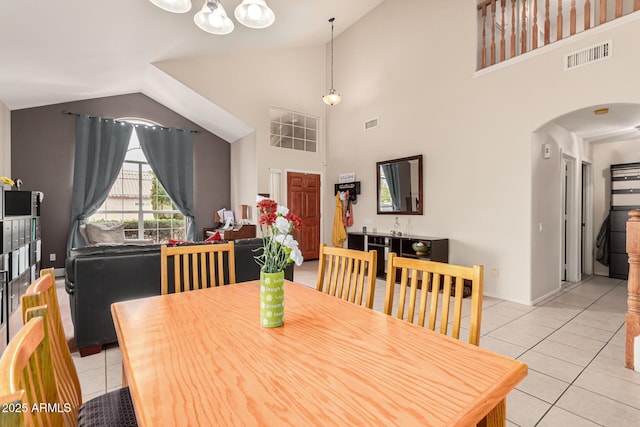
x: 381, y: 245
x: 618, y: 243
x: 6, y: 236
x: 4, y: 277
x: 14, y: 261
x: 355, y: 241
x: 27, y: 230
x: 618, y: 220
x: 15, y: 234
x: 14, y: 295
x: 619, y: 266
x: 20, y: 232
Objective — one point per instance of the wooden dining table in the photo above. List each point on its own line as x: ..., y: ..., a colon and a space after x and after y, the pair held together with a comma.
x: 201, y: 358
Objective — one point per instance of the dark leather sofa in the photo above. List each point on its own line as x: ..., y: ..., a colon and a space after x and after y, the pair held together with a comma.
x: 96, y: 277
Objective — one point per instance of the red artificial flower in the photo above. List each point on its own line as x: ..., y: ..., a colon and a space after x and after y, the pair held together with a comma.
x: 295, y: 220
x: 267, y: 218
x: 267, y: 205
x: 267, y: 209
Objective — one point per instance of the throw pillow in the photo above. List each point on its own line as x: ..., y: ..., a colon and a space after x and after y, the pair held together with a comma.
x: 106, y: 233
x: 214, y: 238
x: 174, y: 242
x: 83, y: 233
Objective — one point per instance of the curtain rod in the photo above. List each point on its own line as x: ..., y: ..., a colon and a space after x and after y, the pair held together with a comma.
x: 69, y: 113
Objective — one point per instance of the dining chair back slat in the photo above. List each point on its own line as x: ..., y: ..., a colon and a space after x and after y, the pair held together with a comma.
x: 196, y: 266
x: 42, y: 292
x: 347, y: 274
x: 26, y: 366
x: 437, y: 283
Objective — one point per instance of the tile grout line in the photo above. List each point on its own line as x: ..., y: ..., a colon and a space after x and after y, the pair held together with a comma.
x: 590, y: 391
x: 559, y: 327
x: 561, y: 293
x: 585, y: 367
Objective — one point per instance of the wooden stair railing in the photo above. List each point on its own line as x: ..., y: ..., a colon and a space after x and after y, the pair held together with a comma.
x: 632, y: 317
x: 525, y: 27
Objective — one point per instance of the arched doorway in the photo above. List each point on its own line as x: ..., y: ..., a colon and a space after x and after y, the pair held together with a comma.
x: 571, y: 155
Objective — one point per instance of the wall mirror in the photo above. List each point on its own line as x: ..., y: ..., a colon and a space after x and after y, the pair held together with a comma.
x: 400, y: 186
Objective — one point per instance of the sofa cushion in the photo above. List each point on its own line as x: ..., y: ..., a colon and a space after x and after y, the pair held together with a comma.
x: 105, y: 233
x: 115, y: 249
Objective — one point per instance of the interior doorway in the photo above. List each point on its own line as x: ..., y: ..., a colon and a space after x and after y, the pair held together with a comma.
x: 570, y: 261
x: 303, y: 199
x: 586, y: 214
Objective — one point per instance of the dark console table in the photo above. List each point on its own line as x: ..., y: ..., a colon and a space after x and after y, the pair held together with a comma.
x: 401, y: 245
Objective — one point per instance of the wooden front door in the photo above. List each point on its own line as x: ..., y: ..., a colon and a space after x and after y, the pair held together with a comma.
x: 303, y: 199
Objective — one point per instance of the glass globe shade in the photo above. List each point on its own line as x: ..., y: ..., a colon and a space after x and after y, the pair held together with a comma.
x: 213, y: 19
x: 174, y: 6
x: 332, y: 98
x: 254, y: 14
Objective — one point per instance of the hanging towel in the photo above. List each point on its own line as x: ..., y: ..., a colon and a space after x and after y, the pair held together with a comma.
x: 339, y: 234
x: 347, y: 212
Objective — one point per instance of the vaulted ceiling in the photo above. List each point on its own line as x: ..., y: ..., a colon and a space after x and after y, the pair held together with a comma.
x: 59, y: 51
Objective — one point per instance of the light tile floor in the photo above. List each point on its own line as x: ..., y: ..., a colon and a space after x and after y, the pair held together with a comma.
x: 573, y: 343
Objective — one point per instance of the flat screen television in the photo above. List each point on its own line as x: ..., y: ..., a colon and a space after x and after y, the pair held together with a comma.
x: 17, y: 203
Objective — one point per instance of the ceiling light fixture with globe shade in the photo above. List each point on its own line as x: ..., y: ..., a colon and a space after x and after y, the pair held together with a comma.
x: 213, y: 19
x: 333, y: 97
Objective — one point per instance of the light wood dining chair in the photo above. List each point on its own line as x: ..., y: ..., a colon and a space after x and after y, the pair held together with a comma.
x: 50, y: 271
x: 26, y: 367
x: 434, y: 307
x: 42, y: 292
x: 347, y: 274
x: 113, y: 409
x: 196, y: 266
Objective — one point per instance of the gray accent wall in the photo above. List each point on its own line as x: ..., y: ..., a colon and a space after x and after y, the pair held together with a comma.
x: 42, y: 152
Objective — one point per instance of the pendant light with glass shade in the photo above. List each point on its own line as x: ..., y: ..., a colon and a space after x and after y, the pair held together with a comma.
x: 333, y: 97
x: 174, y: 6
x: 254, y: 14
x: 213, y: 19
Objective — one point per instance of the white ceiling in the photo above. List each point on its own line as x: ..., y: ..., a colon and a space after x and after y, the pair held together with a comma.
x: 59, y: 51
x: 621, y: 123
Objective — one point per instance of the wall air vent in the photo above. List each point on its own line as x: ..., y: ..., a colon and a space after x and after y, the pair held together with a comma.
x: 587, y: 56
x: 371, y: 124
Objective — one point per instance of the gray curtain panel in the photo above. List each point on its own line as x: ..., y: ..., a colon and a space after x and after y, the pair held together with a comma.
x: 169, y: 152
x: 101, y: 145
x: 392, y: 176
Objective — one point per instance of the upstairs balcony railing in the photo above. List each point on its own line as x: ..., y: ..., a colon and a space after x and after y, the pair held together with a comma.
x: 508, y: 28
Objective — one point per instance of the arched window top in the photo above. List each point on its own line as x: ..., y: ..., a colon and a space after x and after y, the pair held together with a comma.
x: 134, y: 152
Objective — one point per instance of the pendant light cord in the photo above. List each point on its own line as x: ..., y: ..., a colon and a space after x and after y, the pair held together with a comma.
x: 331, y: 20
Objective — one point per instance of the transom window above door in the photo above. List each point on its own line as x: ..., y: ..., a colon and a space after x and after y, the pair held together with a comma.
x: 296, y: 131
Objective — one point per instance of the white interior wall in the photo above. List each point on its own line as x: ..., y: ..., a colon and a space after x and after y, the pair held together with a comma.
x: 5, y: 141
x: 604, y: 155
x: 475, y: 130
x: 546, y: 225
x: 244, y: 179
x: 247, y: 85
